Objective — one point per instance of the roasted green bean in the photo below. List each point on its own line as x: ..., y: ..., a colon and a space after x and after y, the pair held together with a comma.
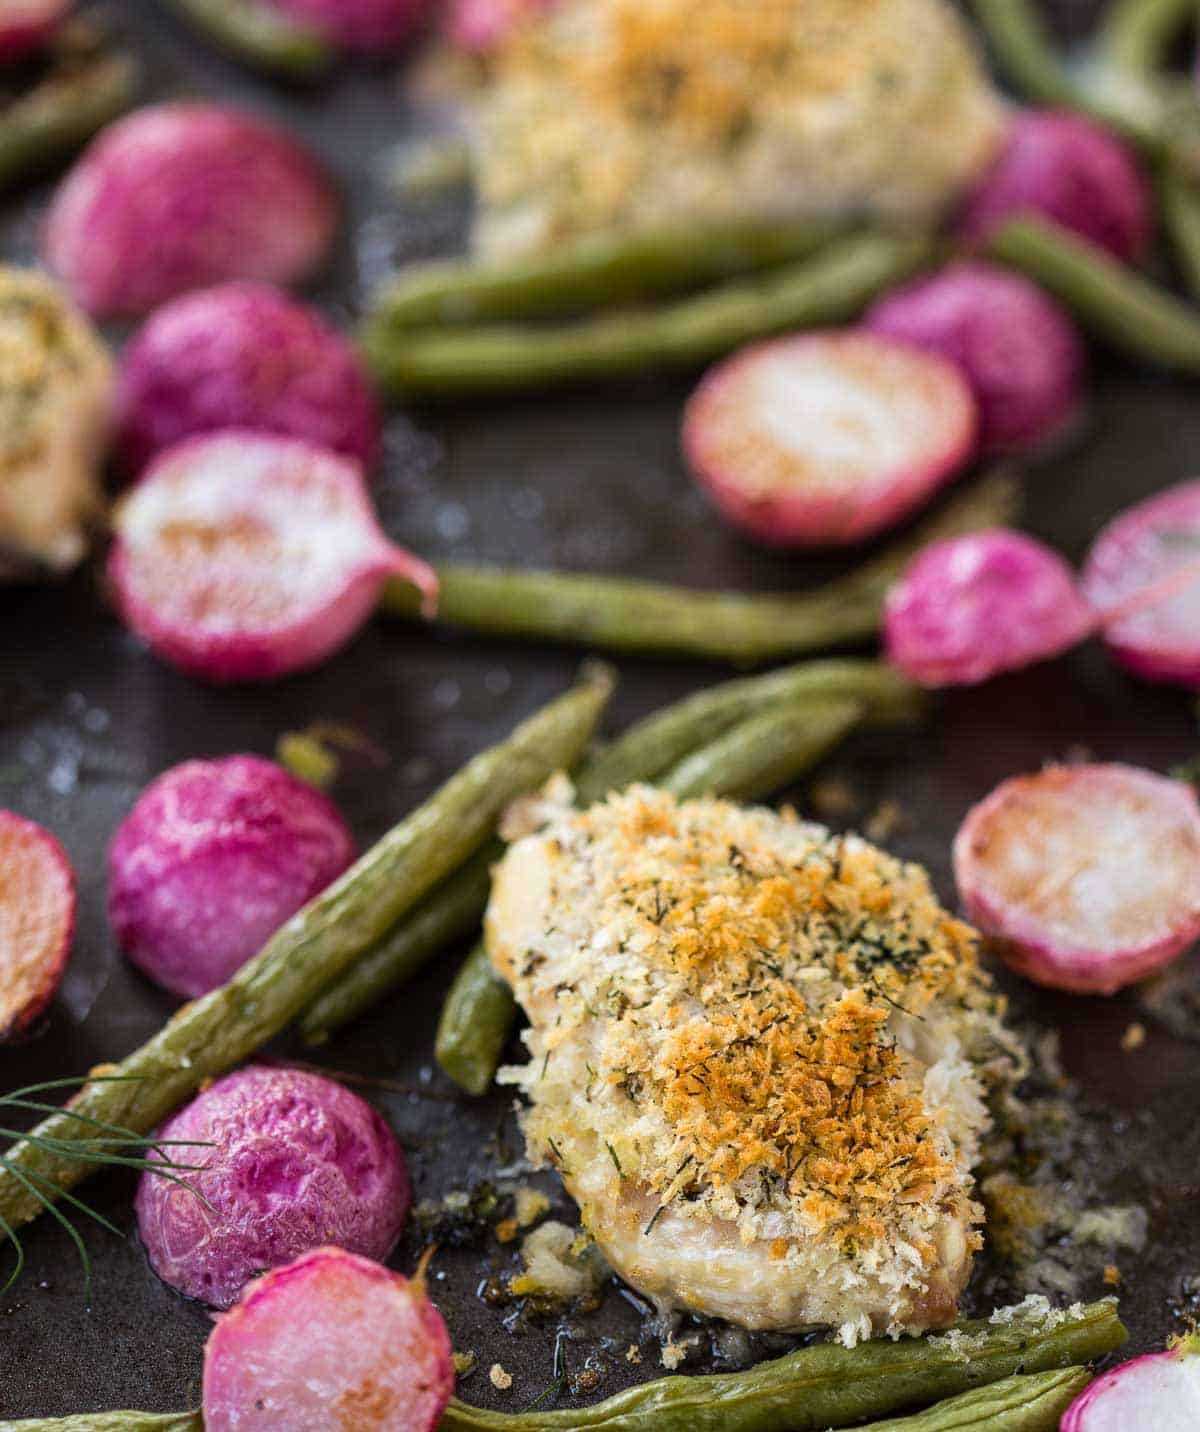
x: 214, y: 1033
x: 1135, y: 35
x: 743, y: 628
x: 1180, y: 200
x: 602, y: 271
x: 260, y: 36
x: 829, y: 1385
x: 836, y: 284
x: 1131, y: 312
x: 111, y: 1422
x: 1031, y: 1403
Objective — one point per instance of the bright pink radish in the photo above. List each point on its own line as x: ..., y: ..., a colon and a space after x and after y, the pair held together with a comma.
x: 37, y: 921
x: 366, y: 25
x: 180, y: 196
x: 1157, y: 1393
x: 827, y: 438
x: 972, y: 607
x: 243, y: 355
x: 1143, y: 577
x: 211, y: 860
x: 1069, y: 169
x: 1016, y: 347
x: 332, y: 1340
x: 26, y: 24
x: 292, y: 1161
x: 1088, y: 877
x: 481, y: 25
x: 241, y: 556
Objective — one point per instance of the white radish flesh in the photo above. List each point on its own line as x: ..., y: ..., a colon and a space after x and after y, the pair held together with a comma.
x: 1157, y: 1393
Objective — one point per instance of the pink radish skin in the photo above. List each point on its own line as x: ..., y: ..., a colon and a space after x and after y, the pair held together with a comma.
x: 294, y: 1160
x: 1160, y: 1393
x: 1143, y: 578
x: 1087, y: 877
x: 182, y: 196
x: 243, y: 355
x: 1015, y: 346
x: 1071, y: 171
x: 37, y: 921
x: 213, y: 858
x: 26, y: 25
x: 241, y: 556
x: 824, y: 439
x: 478, y: 26
x: 362, y: 25
x: 972, y: 607
x: 332, y: 1340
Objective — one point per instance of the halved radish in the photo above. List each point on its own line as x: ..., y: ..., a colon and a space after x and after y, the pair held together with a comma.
x: 26, y: 24
x: 828, y: 438
x: 37, y: 920
x: 1143, y: 578
x: 1087, y: 877
x: 972, y: 607
x: 331, y: 1340
x: 241, y: 556
x: 1159, y: 1392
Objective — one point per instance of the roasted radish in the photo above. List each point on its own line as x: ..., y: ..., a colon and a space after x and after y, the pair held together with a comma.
x: 332, y: 1340
x: 971, y: 607
x: 1143, y: 577
x: 37, y: 920
x: 1016, y: 347
x: 369, y: 26
x: 26, y: 24
x: 289, y: 1160
x: 1160, y: 1392
x: 478, y: 26
x: 211, y: 860
x: 1069, y: 169
x: 243, y: 355
x: 827, y: 438
x: 1087, y: 877
x: 241, y: 556
x: 181, y: 196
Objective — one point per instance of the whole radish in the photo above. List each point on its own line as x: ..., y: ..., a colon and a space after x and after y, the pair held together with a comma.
x: 243, y: 355
x: 368, y: 26
x: 27, y: 24
x: 329, y: 1338
x: 211, y: 860
x: 37, y: 921
x: 289, y: 1160
x: 1067, y: 168
x: 184, y: 195
x: 241, y: 556
x: 1019, y: 351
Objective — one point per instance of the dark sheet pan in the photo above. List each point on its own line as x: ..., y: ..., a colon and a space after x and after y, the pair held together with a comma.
x: 589, y: 481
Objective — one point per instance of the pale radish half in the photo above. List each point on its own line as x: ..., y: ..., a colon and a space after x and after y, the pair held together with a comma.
x: 332, y: 1340
x: 971, y: 607
x: 1157, y: 1393
x: 241, y: 556
x: 37, y: 920
x: 1143, y: 578
x: 1087, y: 877
x: 827, y: 438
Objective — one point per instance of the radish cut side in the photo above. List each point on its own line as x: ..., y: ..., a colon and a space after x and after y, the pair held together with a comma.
x: 1088, y: 877
x: 332, y: 1340
x: 828, y: 438
x: 1143, y: 578
x: 972, y: 607
x: 37, y: 920
x: 1159, y: 1392
x: 241, y: 556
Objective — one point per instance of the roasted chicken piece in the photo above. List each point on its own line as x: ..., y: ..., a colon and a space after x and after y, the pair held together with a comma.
x: 758, y: 1058
x: 56, y: 386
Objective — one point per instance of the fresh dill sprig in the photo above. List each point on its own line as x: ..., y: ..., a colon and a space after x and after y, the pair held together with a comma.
x: 112, y: 1145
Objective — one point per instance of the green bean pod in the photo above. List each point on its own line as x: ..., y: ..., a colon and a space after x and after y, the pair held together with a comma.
x: 828, y: 1385
x: 111, y: 1422
x: 213, y: 1034
x: 1136, y: 35
x: 1031, y: 1403
x: 259, y: 36
x: 600, y: 271
x: 477, y: 1017
x: 622, y: 614
x: 836, y: 284
x: 1179, y: 196
x: 1134, y: 314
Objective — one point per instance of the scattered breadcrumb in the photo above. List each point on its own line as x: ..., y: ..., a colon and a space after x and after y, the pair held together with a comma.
x: 531, y: 1204
x: 464, y: 1362
x: 1133, y: 1038
x: 674, y: 1353
x: 831, y: 797
x: 499, y: 1379
x: 506, y: 1230
x: 559, y: 1263
x: 633, y: 1354
x: 884, y: 821
x: 1112, y: 1275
